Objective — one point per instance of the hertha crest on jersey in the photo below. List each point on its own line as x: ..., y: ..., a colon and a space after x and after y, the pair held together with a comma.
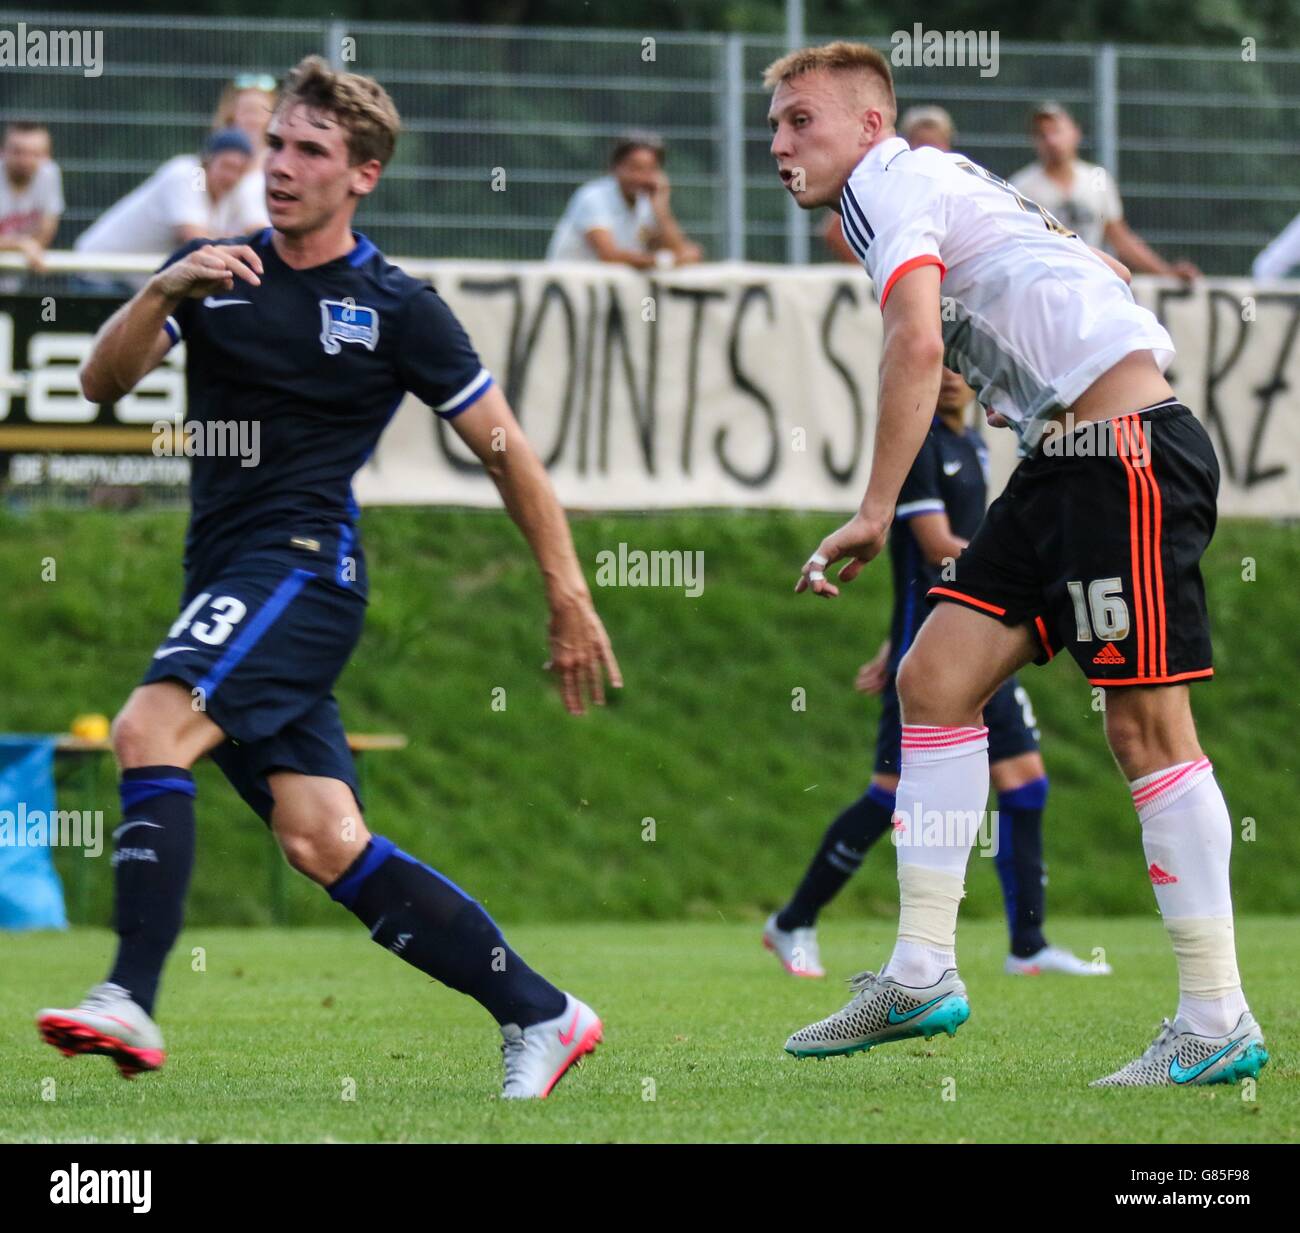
x: 343, y: 321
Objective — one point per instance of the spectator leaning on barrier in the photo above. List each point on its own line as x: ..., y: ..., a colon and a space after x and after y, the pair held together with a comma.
x: 1083, y: 196
x: 624, y: 217
x: 247, y: 104
x: 177, y: 204
x: 31, y: 193
x: 928, y: 125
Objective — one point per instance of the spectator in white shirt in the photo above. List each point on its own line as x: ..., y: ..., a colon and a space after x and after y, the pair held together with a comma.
x: 31, y: 193
x: 177, y: 204
x: 624, y: 217
x: 1083, y: 196
x: 247, y: 104
x: 1281, y: 259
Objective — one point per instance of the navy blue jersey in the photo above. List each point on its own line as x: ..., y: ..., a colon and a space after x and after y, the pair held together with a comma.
x: 948, y: 477
x: 309, y: 366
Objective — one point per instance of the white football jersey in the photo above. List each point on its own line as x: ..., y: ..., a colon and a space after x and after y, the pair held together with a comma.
x: 1031, y: 315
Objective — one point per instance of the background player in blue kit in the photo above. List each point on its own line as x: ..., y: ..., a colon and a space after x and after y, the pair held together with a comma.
x: 306, y: 335
x: 940, y: 506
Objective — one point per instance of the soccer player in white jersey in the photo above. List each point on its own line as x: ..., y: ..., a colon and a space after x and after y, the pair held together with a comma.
x: 1094, y: 545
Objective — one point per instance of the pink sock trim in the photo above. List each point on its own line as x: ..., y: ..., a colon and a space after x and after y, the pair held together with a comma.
x: 1157, y: 791
x: 932, y: 744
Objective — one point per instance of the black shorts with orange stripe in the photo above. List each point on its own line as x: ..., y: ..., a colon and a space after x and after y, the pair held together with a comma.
x: 1096, y: 545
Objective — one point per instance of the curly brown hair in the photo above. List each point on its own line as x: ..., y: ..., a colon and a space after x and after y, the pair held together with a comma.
x: 359, y: 104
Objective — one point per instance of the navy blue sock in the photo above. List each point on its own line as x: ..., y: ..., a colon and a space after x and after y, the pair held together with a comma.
x: 430, y: 922
x: 1020, y: 864
x: 151, y: 872
x: 843, y: 847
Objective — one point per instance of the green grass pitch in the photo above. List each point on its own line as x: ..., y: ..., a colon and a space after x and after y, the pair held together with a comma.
x: 282, y: 1025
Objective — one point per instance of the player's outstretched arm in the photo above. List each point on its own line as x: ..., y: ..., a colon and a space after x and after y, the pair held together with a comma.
x: 132, y: 342
x: 581, y: 653
x: 911, y: 362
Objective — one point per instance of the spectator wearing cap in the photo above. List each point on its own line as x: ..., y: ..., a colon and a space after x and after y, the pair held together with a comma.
x: 624, y: 217
x: 1083, y: 196
x: 31, y: 192
x: 177, y: 204
x: 247, y: 104
x: 920, y: 126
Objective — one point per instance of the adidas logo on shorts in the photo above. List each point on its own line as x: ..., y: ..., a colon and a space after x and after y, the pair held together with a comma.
x: 1109, y: 655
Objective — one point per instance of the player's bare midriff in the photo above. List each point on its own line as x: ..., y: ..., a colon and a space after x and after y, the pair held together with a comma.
x: 1135, y: 382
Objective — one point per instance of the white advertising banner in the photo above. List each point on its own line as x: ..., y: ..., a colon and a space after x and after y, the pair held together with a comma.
x: 755, y: 386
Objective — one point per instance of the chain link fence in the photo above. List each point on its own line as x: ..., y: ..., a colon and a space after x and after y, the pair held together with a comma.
x: 502, y: 124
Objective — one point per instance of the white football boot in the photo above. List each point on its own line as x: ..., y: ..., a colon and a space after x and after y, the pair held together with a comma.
x: 1179, y: 1059
x: 107, y: 1022
x: 536, y: 1057
x: 883, y: 1010
x: 795, y: 948
x: 1055, y: 959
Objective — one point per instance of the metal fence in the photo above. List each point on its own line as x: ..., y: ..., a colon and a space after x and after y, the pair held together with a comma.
x: 1203, y: 142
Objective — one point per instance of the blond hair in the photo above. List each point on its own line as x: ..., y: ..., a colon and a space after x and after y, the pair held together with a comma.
x: 224, y: 116
x: 359, y: 104
x: 841, y: 58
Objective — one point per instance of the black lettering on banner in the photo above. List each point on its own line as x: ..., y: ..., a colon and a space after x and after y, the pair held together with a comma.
x: 1265, y: 394
x: 589, y: 353
x: 842, y: 475
x: 1214, y: 420
x: 554, y: 290
x: 1163, y: 295
x: 643, y: 411
x: 699, y: 297
x: 473, y: 286
x: 751, y: 293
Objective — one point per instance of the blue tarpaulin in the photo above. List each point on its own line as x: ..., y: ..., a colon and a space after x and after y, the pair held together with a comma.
x: 31, y: 896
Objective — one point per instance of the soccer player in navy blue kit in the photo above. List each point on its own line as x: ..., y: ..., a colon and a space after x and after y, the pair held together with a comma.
x: 940, y: 506
x: 306, y: 333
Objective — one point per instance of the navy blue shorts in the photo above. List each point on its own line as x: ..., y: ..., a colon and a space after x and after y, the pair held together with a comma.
x: 260, y: 647
x: 1009, y: 717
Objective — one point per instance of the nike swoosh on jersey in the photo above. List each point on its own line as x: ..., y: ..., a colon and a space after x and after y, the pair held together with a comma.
x: 951, y: 468
x: 911, y: 1014
x: 209, y: 302
x: 171, y: 650
x: 1185, y: 1074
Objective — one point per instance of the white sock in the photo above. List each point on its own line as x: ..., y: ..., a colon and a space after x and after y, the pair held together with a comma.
x: 942, y: 791
x: 1187, y: 838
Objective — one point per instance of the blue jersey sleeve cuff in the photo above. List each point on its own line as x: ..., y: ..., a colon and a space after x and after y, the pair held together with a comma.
x: 173, y: 330
x: 467, y: 397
